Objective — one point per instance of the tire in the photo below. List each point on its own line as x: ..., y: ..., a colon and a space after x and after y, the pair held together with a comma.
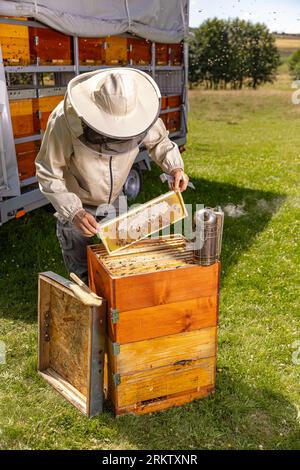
x: 133, y: 185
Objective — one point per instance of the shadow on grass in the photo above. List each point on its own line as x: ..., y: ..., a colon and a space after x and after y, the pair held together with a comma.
x: 235, y: 417
x: 29, y: 246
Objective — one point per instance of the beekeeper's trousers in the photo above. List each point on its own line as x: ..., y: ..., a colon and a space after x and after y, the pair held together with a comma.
x: 74, y: 245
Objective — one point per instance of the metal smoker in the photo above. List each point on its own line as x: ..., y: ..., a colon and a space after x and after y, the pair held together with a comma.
x: 208, y: 225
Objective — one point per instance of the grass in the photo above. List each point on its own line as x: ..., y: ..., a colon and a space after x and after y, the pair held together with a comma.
x: 288, y: 44
x: 243, y: 148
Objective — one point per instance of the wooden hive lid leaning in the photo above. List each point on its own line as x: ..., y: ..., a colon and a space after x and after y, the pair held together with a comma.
x: 72, y: 341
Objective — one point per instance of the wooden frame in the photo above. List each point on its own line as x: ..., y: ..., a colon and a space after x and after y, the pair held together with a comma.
x: 175, y: 201
x: 71, y: 344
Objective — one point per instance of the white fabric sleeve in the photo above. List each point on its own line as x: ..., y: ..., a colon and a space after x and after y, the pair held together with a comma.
x: 161, y: 149
x: 51, y: 163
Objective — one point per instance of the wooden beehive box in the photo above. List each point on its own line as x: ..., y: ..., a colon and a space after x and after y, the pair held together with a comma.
x: 175, y: 54
x: 139, y: 51
x: 23, y: 119
x: 90, y: 51
x: 174, y: 101
x: 115, y: 51
x: 14, y: 41
x: 161, y: 323
x: 26, y: 154
x: 161, y: 53
x: 173, y: 121
x: 71, y: 343
x: 43, y: 107
x: 48, y: 46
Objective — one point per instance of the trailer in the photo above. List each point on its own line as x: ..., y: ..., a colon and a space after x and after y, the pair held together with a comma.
x: 42, y: 49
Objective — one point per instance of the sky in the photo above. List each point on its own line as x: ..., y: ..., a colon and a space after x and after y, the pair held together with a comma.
x: 278, y: 15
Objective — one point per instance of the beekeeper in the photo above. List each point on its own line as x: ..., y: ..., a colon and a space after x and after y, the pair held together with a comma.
x: 90, y: 144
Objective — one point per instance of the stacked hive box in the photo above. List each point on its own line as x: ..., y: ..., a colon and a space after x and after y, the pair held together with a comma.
x: 115, y: 51
x: 14, y: 42
x: 44, y: 106
x: 90, y: 51
x: 24, y: 121
x: 171, y: 118
x: 139, y: 51
x: 48, y: 46
x: 26, y: 154
x: 162, y: 324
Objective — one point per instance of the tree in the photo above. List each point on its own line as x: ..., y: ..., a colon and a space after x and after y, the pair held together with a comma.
x: 194, y: 65
x: 262, y: 55
x: 233, y: 52
x: 294, y: 65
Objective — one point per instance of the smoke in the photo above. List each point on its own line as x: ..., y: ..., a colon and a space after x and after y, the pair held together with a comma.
x: 234, y: 211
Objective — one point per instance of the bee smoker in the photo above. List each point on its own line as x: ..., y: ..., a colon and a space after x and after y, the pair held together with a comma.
x: 208, y: 225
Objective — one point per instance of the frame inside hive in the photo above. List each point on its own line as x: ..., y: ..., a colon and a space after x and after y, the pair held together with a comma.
x: 139, y: 223
x: 146, y: 256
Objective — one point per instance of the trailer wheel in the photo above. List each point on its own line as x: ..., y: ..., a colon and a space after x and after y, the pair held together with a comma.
x: 133, y: 184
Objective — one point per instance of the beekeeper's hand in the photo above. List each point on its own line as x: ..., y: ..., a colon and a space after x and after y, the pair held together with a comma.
x: 180, y: 180
x: 86, y: 223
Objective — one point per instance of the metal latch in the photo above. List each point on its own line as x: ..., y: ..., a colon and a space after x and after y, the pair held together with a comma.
x: 114, y: 315
x: 116, y: 348
x: 117, y: 379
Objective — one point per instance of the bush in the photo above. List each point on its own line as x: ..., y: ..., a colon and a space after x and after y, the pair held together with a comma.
x: 294, y: 65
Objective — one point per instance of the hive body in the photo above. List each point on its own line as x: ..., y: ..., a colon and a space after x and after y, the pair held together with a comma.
x: 161, y: 324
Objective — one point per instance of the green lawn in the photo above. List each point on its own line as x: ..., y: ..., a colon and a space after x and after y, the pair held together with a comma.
x: 242, y: 149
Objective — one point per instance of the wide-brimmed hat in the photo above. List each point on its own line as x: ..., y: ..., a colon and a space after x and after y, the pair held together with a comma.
x: 119, y: 102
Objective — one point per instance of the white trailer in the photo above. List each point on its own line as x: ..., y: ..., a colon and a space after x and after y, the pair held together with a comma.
x: 163, y: 21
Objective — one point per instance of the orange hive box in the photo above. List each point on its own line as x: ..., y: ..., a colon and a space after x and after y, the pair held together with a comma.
x: 26, y: 154
x: 175, y: 54
x: 48, y: 46
x: 115, y: 51
x: 44, y: 106
x: 14, y: 42
x: 24, y: 122
x: 173, y: 121
x: 90, y: 51
x: 139, y: 51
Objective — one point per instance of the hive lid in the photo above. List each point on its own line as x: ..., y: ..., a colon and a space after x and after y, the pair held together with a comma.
x: 137, y: 224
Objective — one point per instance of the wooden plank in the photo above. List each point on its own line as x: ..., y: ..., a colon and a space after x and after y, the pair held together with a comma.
x: 95, y: 369
x: 162, y: 320
x: 165, y: 403
x: 165, y: 287
x: 165, y: 381
x: 65, y: 389
x: 43, y: 311
x: 99, y: 279
x: 162, y: 351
